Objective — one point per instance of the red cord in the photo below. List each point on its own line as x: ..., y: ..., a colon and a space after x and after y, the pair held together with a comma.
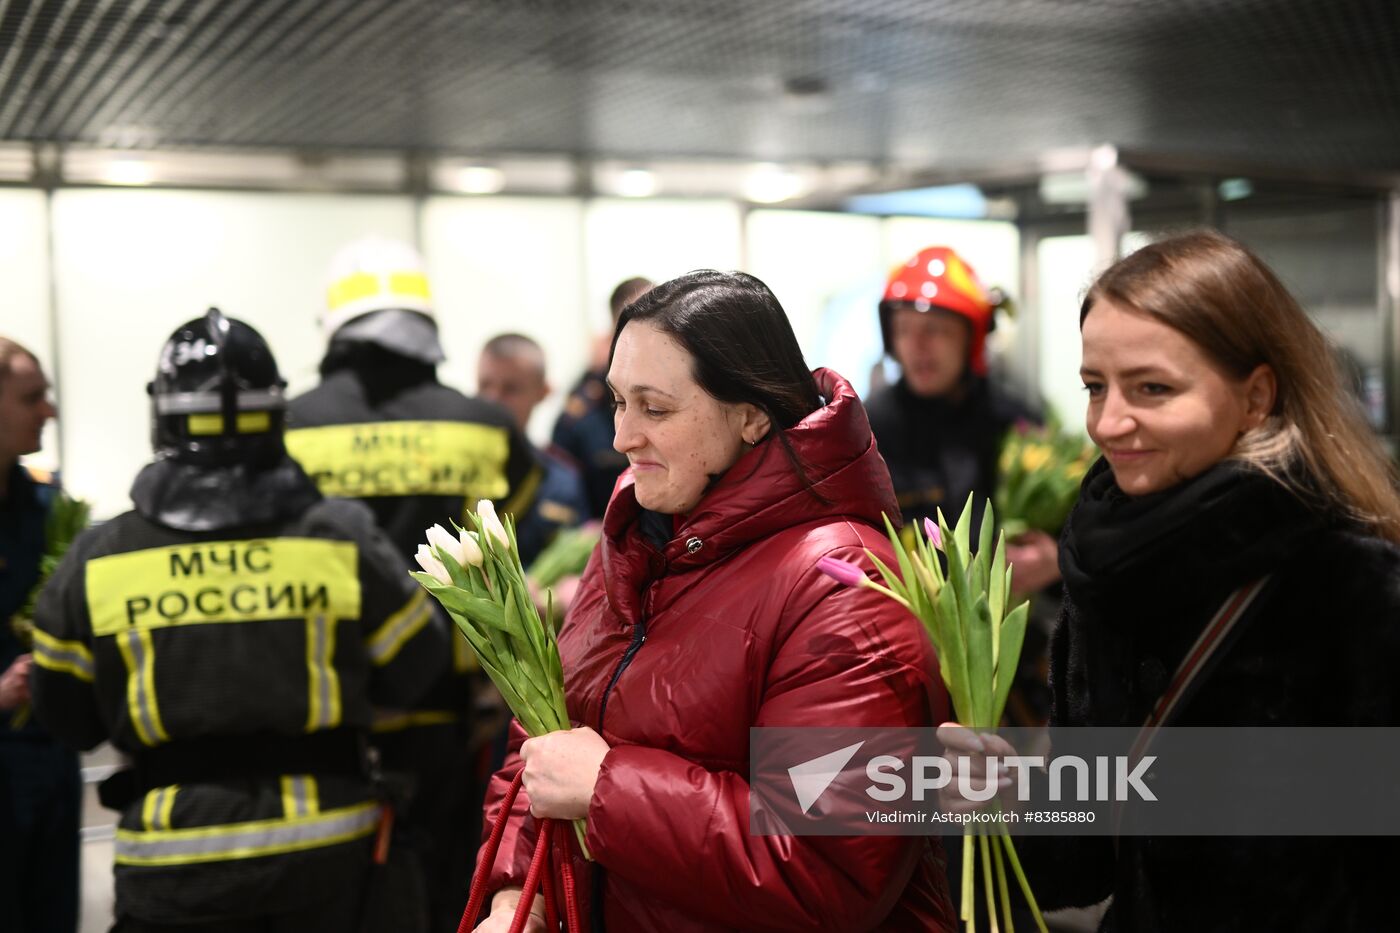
x: 551, y: 900
x: 566, y: 878
x: 532, y: 878
x: 540, y: 872
x: 488, y: 856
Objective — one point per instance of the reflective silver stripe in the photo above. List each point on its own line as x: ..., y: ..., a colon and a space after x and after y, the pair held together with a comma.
x: 296, y: 796
x: 324, y: 684
x: 69, y: 657
x: 385, y: 643
x: 164, y: 804
x: 187, y: 403
x: 139, y: 699
x: 245, y: 840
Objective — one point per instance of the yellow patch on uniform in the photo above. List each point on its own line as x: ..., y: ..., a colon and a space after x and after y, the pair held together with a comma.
x: 405, y: 458
x: 223, y: 581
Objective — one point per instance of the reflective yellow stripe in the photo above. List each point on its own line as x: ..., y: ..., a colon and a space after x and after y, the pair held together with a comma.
x: 397, y: 722
x: 312, y: 795
x: 156, y: 807
x: 223, y: 581
x: 64, y: 657
x: 385, y: 642
x: 139, y: 655
x: 245, y: 840
x: 299, y: 796
x: 405, y: 458
x: 290, y: 807
x: 148, y: 807
x: 409, y: 283
x: 247, y: 422
x: 167, y: 805
x: 323, y: 683
x: 361, y: 285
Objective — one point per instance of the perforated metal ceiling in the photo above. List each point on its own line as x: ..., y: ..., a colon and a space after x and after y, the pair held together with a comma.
x: 929, y: 83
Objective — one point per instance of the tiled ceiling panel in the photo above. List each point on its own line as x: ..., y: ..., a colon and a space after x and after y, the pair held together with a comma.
x: 923, y: 83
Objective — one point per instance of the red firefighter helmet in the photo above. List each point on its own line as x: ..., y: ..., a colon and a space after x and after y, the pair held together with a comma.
x: 939, y: 279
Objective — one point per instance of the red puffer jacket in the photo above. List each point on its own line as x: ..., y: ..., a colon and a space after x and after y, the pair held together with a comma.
x: 673, y: 654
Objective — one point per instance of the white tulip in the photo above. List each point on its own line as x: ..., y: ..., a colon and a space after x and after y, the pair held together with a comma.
x: 444, y: 541
x: 471, y: 550
x: 486, y: 511
x: 432, y: 566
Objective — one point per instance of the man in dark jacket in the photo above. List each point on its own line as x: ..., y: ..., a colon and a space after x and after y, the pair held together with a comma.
x: 585, y: 428
x: 381, y: 429
x: 511, y: 372
x: 228, y: 635
x: 40, y: 790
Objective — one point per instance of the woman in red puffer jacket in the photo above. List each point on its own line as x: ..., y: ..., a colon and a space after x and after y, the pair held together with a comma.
x: 702, y: 614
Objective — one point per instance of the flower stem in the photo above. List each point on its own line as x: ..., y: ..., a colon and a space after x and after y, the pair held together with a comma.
x: 1021, y: 878
x: 985, y: 844
x: 1001, y: 886
x: 969, y: 868
x: 880, y: 588
x: 580, y: 829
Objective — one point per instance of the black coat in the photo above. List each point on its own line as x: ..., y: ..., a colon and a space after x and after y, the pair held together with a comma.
x: 940, y: 449
x: 1318, y: 648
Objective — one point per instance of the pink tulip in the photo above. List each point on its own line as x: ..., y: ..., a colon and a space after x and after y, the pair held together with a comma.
x: 933, y: 533
x: 843, y: 572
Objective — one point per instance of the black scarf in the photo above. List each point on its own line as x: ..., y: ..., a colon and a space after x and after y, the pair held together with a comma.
x: 1216, y: 531
x: 1143, y: 575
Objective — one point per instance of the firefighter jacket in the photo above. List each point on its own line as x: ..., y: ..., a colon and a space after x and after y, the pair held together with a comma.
x: 236, y: 666
x: 384, y: 431
x: 941, y: 449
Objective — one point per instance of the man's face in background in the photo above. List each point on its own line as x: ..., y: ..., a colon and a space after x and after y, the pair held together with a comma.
x: 514, y: 382
x: 24, y: 408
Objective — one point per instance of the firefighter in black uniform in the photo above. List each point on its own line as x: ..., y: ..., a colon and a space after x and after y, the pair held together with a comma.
x: 380, y: 428
x: 229, y: 635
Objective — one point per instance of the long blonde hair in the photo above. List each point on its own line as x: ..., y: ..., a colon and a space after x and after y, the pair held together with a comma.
x: 1231, y: 305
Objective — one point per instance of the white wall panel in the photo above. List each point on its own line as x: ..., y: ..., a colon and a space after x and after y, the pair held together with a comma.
x: 132, y: 265
x: 509, y: 264
x: 827, y: 270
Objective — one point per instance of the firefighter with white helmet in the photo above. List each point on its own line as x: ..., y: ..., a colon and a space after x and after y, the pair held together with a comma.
x: 380, y: 428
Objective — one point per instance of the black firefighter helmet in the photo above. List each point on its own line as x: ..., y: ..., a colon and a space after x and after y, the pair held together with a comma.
x: 217, y: 397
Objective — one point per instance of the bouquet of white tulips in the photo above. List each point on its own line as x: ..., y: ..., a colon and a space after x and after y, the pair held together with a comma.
x: 477, y: 576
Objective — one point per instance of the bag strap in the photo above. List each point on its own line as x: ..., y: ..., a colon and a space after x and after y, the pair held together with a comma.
x: 1202, y: 656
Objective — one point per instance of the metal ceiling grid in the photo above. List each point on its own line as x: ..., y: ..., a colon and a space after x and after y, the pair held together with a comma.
x: 911, y: 82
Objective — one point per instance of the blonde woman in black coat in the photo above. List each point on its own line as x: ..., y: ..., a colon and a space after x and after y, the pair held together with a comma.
x: 1232, y: 454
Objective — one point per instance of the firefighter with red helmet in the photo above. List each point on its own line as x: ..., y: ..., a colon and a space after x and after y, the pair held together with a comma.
x: 940, y: 426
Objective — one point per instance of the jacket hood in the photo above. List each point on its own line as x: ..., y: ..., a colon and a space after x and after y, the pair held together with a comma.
x: 759, y: 496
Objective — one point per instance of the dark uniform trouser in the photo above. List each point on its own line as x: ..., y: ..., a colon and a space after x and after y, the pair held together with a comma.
x: 442, y: 825
x: 337, y: 914
x: 40, y: 806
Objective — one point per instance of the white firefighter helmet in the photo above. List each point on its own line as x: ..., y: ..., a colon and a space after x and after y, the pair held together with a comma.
x: 377, y: 292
